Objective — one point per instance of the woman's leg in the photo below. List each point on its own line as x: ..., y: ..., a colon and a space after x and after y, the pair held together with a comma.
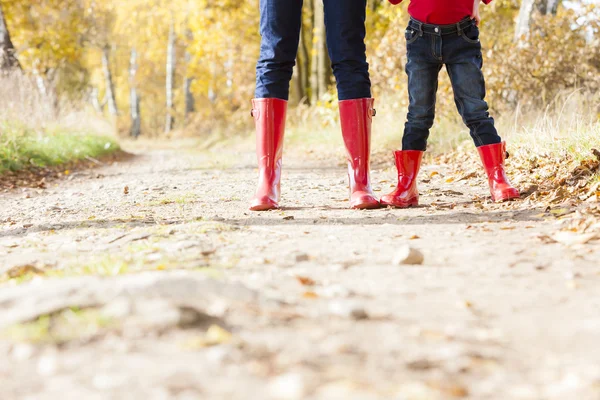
x: 280, y: 22
x: 345, y: 23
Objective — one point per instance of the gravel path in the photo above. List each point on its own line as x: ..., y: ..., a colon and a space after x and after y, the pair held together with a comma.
x: 309, y: 302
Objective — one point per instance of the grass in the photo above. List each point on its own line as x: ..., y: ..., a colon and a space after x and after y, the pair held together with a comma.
x: 62, y: 327
x: 37, y: 130
x: 570, y: 125
x: 22, y: 147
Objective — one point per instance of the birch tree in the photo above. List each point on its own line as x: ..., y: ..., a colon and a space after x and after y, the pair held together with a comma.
x: 8, y: 60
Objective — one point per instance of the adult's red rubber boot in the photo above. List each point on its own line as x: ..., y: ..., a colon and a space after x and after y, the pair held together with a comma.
x: 493, y: 157
x: 356, y: 117
x: 408, y: 163
x: 269, y: 116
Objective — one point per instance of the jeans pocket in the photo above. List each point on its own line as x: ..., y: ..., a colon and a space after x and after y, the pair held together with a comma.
x: 411, y: 36
x: 471, y: 34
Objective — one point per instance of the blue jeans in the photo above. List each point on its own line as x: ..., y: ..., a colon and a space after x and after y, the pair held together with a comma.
x: 280, y: 22
x: 457, y: 46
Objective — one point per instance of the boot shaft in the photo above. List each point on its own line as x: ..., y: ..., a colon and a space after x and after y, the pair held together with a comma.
x: 408, y: 163
x: 356, y: 119
x: 492, y: 157
x: 269, y: 117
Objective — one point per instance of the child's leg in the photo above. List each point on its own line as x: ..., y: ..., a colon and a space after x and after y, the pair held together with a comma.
x: 464, y: 65
x: 423, y: 71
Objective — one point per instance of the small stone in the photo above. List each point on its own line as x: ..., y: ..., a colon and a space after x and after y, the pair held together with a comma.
x: 302, y: 257
x: 288, y: 387
x: 408, y: 256
x: 348, y: 309
x: 22, y: 352
x: 47, y: 365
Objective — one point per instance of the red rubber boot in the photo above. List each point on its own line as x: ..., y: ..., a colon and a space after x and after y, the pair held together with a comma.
x: 355, y: 118
x: 493, y: 157
x: 408, y: 163
x: 269, y: 116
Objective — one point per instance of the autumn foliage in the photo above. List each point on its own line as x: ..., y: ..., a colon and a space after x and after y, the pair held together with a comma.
x: 82, y: 50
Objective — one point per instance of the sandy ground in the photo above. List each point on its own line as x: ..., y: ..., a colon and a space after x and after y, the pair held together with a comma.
x: 494, y: 312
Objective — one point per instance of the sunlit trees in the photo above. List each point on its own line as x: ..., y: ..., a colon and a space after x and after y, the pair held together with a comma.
x: 177, y: 62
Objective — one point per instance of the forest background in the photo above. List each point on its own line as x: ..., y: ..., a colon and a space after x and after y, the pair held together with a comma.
x: 159, y: 69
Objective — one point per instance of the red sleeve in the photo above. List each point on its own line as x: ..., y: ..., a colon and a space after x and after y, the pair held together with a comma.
x: 487, y: 1
x: 394, y: 2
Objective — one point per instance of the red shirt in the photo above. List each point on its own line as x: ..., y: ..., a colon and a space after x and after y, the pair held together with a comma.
x: 440, y: 12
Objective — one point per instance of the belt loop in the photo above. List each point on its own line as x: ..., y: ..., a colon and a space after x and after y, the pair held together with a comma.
x: 420, y: 28
x: 459, y: 28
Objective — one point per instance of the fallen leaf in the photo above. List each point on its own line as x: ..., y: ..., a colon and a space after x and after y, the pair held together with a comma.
x: 126, y: 190
x: 21, y: 270
x: 306, y: 281
x: 310, y: 295
x: 216, y: 335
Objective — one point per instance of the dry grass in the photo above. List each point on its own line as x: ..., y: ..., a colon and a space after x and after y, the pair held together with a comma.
x: 38, y: 130
x: 570, y: 125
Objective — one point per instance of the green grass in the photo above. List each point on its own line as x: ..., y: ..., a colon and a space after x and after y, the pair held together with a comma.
x: 64, y: 326
x: 22, y: 147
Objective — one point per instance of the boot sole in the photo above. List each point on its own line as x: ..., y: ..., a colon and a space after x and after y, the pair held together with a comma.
x: 366, y: 206
x: 263, y: 207
x: 400, y: 206
x: 506, y: 197
x: 409, y: 204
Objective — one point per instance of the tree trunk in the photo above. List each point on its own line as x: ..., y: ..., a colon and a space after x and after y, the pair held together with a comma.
x: 296, y: 86
x: 321, y: 42
x: 190, y: 102
x: 110, y: 87
x: 134, y: 99
x: 552, y: 6
x: 303, y: 64
x: 524, y: 22
x: 8, y: 60
x: 314, y: 58
x: 170, y: 119
x: 99, y: 107
x: 525, y: 15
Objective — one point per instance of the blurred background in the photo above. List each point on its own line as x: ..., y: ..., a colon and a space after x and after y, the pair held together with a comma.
x: 158, y: 68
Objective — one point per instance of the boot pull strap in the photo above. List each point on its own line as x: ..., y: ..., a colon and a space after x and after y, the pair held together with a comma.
x: 254, y: 113
x: 373, y: 112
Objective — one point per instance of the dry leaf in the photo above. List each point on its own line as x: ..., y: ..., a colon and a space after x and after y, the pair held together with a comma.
x: 306, y: 281
x: 21, y: 270
x: 126, y: 190
x: 310, y: 295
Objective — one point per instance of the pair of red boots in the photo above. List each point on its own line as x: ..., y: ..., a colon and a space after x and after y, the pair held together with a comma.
x: 355, y: 117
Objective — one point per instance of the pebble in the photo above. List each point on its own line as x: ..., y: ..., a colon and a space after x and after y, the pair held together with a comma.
x: 302, y: 257
x: 290, y: 386
x: 408, y: 256
x: 47, y: 365
x: 22, y: 352
x: 348, y: 309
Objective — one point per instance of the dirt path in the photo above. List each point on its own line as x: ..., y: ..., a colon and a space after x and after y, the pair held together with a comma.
x: 494, y: 312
